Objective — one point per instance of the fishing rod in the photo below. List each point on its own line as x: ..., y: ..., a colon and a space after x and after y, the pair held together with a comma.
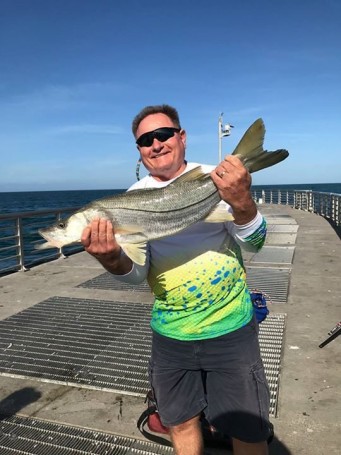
x: 335, y: 332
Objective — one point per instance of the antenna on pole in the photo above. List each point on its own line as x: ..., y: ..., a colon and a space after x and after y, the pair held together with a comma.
x: 223, y: 130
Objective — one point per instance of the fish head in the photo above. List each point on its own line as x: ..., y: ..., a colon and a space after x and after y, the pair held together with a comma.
x: 63, y: 232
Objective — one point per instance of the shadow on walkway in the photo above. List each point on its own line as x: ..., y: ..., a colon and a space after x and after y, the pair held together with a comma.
x: 18, y: 400
x: 336, y: 228
x: 221, y: 443
x: 276, y: 447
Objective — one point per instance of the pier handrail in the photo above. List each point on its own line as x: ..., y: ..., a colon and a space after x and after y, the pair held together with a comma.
x: 324, y: 204
x: 19, y: 234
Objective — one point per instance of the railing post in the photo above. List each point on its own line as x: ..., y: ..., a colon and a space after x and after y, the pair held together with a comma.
x: 332, y: 207
x: 60, y: 249
x: 21, y: 253
x: 325, y: 205
x: 337, y: 210
x: 298, y: 200
x: 310, y: 202
x: 329, y: 202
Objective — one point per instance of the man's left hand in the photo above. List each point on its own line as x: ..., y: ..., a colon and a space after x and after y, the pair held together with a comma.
x: 234, y: 182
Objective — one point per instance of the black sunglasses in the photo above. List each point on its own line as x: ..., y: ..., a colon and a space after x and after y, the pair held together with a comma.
x: 161, y: 134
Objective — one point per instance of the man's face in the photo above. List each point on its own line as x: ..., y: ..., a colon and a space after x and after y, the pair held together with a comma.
x: 164, y: 160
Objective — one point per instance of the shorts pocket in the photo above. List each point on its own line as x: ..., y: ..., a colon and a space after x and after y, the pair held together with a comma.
x: 262, y: 389
x: 254, y: 325
x: 258, y: 372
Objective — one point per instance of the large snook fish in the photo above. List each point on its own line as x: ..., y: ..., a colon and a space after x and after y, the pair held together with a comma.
x: 139, y: 216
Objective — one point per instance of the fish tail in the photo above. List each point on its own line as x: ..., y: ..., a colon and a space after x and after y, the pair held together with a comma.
x: 250, y: 149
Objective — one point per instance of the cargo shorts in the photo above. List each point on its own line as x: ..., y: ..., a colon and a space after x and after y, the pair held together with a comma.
x: 221, y: 377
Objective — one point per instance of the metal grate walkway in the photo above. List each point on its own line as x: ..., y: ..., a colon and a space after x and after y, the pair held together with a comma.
x: 23, y: 436
x: 96, y: 344
x: 289, y: 228
x: 274, y: 255
x: 272, y: 281
x: 100, y: 345
x: 279, y: 219
x: 107, y: 281
x: 281, y: 238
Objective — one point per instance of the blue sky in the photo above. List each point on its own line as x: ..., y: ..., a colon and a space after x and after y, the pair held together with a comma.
x: 73, y: 73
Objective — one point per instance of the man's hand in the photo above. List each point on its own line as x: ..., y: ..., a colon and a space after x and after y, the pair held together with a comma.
x: 234, y: 182
x: 99, y: 240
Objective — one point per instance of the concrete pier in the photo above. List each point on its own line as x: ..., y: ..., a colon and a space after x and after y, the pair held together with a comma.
x: 308, y: 420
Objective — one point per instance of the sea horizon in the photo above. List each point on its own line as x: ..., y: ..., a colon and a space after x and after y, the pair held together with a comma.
x: 27, y: 201
x: 268, y: 185
x: 64, y: 201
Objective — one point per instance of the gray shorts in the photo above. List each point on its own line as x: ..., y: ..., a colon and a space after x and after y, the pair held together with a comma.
x: 222, y: 377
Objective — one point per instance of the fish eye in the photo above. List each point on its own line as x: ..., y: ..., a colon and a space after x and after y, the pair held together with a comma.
x: 61, y: 224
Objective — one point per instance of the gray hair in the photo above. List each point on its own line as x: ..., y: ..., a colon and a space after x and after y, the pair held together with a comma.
x: 170, y: 111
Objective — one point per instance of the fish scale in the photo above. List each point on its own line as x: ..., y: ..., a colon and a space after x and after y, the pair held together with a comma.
x: 161, y: 224
x: 161, y: 199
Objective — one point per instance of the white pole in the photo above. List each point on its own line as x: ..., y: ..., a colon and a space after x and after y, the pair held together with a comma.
x: 220, y: 124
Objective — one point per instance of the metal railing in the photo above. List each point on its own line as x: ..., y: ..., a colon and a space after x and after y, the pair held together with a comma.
x: 274, y: 197
x: 19, y: 235
x: 19, y: 231
x: 327, y: 205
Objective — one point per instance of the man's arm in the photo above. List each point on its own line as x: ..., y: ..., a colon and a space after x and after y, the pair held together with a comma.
x: 234, y: 185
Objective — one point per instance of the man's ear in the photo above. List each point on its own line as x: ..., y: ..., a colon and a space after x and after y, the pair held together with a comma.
x: 183, y: 136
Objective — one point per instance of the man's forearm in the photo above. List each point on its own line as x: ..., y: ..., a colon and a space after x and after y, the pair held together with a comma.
x: 119, y: 265
x: 245, y: 211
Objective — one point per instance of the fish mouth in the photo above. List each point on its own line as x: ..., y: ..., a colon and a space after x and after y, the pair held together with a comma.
x: 49, y: 240
x: 43, y: 235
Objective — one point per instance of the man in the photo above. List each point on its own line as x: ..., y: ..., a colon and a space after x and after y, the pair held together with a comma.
x: 205, y: 351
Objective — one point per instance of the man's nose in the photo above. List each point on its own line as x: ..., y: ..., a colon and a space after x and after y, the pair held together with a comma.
x: 157, y: 145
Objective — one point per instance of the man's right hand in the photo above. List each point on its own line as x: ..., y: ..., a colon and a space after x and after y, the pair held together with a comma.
x: 99, y: 240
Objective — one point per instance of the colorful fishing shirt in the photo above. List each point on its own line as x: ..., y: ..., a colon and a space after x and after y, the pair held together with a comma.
x: 198, y: 277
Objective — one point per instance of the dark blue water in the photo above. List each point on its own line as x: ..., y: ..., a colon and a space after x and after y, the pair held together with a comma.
x: 34, y: 201
x: 15, y: 202
x: 39, y: 200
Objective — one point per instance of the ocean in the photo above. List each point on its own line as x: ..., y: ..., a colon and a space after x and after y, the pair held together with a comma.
x: 35, y: 201
x: 28, y: 201
x: 39, y: 200
x: 31, y: 201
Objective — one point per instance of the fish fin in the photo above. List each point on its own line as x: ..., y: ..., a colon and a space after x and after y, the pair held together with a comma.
x: 219, y: 215
x: 194, y: 174
x: 266, y: 159
x: 127, y: 229
x: 137, y: 252
x: 251, y: 144
x: 250, y: 149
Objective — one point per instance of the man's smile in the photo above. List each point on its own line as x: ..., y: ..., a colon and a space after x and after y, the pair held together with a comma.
x: 160, y: 154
